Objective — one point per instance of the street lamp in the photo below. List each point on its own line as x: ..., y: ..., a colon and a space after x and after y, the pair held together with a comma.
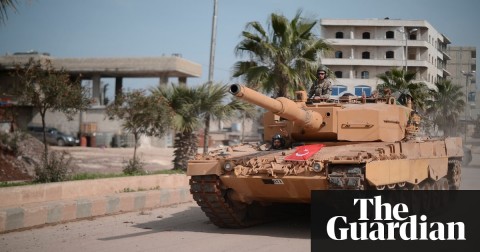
x: 467, y: 75
x: 406, y: 34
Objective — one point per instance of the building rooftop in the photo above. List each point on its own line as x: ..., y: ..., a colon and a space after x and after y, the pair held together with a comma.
x: 166, y: 66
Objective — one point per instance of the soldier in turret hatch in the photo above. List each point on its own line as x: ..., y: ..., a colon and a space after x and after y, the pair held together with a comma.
x: 322, y: 87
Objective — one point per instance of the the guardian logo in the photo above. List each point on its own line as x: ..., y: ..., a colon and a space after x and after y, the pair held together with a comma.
x: 389, y: 222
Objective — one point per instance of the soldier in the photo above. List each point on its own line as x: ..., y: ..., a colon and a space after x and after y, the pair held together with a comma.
x: 278, y: 142
x: 322, y: 87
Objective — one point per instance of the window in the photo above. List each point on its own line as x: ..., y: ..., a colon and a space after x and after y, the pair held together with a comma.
x: 364, y: 75
x: 337, y: 89
x: 363, y: 88
x: 366, y: 35
x: 338, y: 74
x: 390, y: 55
x: 339, y: 35
x: 471, y: 96
x: 390, y: 35
x: 365, y: 55
x: 338, y: 54
x: 474, y: 54
x: 412, y: 36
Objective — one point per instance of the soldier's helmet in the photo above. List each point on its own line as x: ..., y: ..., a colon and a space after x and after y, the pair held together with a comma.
x: 278, y: 142
x: 322, y: 69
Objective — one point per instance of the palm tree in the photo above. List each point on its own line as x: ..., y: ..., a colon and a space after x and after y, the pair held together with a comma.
x: 212, y: 98
x: 399, y: 81
x: 186, y: 120
x: 284, y: 58
x: 4, y: 5
x: 445, y: 106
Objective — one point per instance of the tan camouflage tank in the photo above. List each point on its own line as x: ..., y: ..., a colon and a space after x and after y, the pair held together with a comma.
x: 351, y: 143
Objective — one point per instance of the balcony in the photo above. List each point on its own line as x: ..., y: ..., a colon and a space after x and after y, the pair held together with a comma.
x: 373, y: 62
x: 377, y: 42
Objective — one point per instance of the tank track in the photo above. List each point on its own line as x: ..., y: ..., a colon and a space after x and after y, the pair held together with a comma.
x: 454, y: 174
x: 207, y: 191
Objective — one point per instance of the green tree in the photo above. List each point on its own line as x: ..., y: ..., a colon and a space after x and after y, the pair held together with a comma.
x: 140, y: 115
x: 212, y: 100
x: 402, y: 82
x: 185, y: 104
x: 47, y: 89
x: 283, y: 58
x: 445, y: 106
x: 191, y: 106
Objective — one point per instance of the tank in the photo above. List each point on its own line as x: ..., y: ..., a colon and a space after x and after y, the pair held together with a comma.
x: 353, y: 143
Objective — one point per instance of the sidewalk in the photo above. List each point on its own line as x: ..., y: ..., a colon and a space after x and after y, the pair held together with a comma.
x: 30, y: 206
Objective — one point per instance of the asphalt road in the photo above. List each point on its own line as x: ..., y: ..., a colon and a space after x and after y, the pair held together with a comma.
x: 178, y: 228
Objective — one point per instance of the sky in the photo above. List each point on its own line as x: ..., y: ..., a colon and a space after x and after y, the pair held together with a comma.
x: 152, y: 28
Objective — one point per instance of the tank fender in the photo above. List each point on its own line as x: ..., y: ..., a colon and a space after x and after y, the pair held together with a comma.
x: 204, y: 167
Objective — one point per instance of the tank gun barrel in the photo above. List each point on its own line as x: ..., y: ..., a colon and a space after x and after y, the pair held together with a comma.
x: 281, y: 106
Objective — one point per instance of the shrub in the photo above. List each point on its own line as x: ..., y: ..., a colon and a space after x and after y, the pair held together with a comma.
x: 55, y: 169
x: 134, y: 166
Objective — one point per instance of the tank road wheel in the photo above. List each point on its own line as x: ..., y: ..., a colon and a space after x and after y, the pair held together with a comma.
x: 207, y: 191
x: 454, y: 174
x: 442, y: 184
x: 413, y: 187
x: 391, y: 186
x: 426, y: 185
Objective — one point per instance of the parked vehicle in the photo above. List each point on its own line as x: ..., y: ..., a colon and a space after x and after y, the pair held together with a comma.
x: 54, y: 136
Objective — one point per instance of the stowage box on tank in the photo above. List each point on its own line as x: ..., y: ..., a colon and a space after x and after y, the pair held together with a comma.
x: 351, y: 143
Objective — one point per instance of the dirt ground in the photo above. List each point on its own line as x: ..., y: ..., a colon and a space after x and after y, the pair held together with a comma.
x: 112, y: 160
x: 20, y: 166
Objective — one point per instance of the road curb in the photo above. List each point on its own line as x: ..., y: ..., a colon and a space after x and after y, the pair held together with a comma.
x: 69, y: 206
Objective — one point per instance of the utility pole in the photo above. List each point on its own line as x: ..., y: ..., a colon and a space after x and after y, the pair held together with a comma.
x: 406, y: 35
x: 210, y: 74
x: 213, y: 43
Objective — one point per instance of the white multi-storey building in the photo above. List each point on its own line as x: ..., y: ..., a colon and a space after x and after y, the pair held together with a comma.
x: 365, y: 48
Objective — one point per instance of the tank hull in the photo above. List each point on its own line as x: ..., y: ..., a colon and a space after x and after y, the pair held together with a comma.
x: 269, y: 175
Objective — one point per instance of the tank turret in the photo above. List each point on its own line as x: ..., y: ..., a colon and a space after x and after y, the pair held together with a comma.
x: 349, y: 119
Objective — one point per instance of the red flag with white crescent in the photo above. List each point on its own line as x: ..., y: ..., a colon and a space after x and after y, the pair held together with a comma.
x: 304, y: 152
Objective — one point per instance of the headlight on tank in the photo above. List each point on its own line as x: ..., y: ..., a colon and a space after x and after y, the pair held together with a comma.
x: 317, y: 167
x: 228, y: 166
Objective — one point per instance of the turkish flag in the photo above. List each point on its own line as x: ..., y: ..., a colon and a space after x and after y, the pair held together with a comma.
x: 304, y: 152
